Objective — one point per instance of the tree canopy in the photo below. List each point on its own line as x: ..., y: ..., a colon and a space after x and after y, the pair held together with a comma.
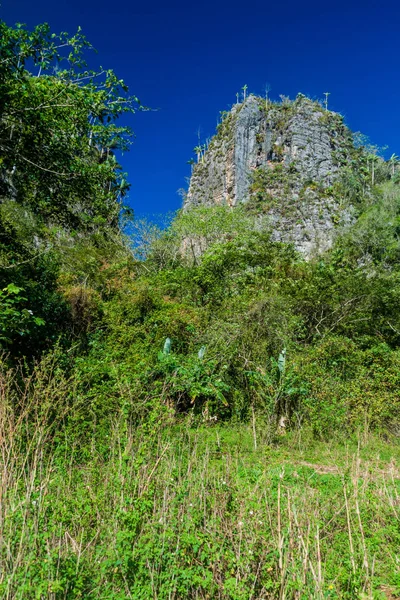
x: 59, y: 173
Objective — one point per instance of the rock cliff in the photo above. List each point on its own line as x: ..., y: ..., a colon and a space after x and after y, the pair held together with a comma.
x: 282, y: 160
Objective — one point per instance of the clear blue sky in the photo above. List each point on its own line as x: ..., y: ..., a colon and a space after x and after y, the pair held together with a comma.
x: 188, y: 59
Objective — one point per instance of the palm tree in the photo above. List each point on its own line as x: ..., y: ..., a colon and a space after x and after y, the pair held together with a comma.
x: 244, y: 88
x: 267, y: 90
x: 373, y: 158
x: 198, y: 150
x: 393, y: 160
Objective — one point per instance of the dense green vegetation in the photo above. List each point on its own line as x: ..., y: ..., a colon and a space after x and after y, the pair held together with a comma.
x: 192, y: 412
x: 60, y: 184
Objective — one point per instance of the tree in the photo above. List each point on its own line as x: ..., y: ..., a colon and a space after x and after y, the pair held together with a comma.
x: 267, y: 90
x: 372, y: 160
x: 58, y: 130
x: 244, y: 88
x: 326, y: 94
x: 198, y: 150
x: 61, y: 187
x: 393, y: 161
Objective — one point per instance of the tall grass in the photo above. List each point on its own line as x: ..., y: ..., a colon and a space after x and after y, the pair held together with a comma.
x: 168, y: 510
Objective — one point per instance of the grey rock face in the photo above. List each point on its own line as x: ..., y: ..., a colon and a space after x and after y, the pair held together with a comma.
x: 247, y: 146
x: 310, y: 144
x: 7, y: 188
x: 307, y: 144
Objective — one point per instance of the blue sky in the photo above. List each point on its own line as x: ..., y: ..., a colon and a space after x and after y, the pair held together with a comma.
x: 188, y: 60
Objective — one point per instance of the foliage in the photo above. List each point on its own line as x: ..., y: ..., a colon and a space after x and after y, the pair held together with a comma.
x: 269, y: 185
x: 14, y: 318
x: 184, y: 510
x: 57, y: 128
x: 166, y: 386
x: 61, y: 187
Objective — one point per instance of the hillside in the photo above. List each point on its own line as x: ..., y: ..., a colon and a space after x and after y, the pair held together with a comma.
x: 204, y: 411
x: 294, y: 164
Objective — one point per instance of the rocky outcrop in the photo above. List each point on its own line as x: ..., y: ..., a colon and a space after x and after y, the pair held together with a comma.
x: 281, y: 160
x: 7, y: 187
